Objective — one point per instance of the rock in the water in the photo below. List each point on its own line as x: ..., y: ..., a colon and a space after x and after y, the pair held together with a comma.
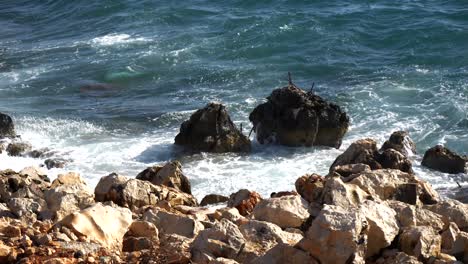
x: 224, y: 240
x: 442, y: 159
x: 55, y: 163
x: 18, y: 148
x: 100, y: 223
x: 285, y: 254
x: 286, y: 211
x: 244, y: 200
x: 338, y: 235
x: 310, y: 187
x: 171, y: 223
x: 365, y: 151
x: 294, y: 117
x: 170, y: 174
x: 134, y: 193
x: 421, y: 242
x: 213, y: 199
x: 7, y: 128
x: 210, y: 129
x: 401, y: 142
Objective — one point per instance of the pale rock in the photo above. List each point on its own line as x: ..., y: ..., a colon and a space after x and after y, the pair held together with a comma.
x: 100, y: 223
x: 449, y: 236
x: 25, y: 206
x: 244, y: 200
x: 104, y: 189
x: 452, y: 211
x: 197, y: 213
x: 336, y: 192
x: 285, y: 254
x: 394, y: 256
x: 286, y: 211
x: 170, y: 174
x: 460, y: 247
x: 410, y: 215
x: 143, y: 229
x: 171, y: 223
x: 176, y: 248
x: 223, y: 261
x: 383, y: 226
x: 337, y: 235
x: 362, y: 151
x: 351, y: 170
x: 224, y: 239
x: 420, y: 241
x: 229, y: 213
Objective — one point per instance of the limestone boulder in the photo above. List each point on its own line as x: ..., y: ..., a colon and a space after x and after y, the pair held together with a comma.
x: 460, y: 247
x: 223, y: 261
x: 229, y: 213
x: 210, y: 129
x: 350, y: 170
x: 410, y: 216
x: 310, y: 187
x: 224, y: 240
x: 286, y: 211
x: 67, y: 194
x: 449, y: 236
x: 421, y: 242
x: 142, y: 228
x: 401, y: 142
x: 244, y: 200
x: 394, y: 256
x: 172, y: 223
x: 26, y: 207
x: 442, y: 159
x: 388, y: 184
x: 285, y: 254
x: 213, y: 199
x: 383, y: 226
x: 100, y: 223
x: 336, y: 192
x: 169, y: 174
x: 337, y: 235
x: 106, y: 189
x: 363, y: 151
x: 452, y: 211
x: 7, y: 128
x: 294, y: 117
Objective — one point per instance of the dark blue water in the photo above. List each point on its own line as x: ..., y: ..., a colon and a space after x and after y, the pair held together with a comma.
x: 400, y: 65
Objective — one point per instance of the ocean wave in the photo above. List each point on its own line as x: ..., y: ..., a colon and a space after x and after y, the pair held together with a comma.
x: 116, y: 39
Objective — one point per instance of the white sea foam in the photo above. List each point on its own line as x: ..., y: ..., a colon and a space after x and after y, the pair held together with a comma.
x: 116, y: 39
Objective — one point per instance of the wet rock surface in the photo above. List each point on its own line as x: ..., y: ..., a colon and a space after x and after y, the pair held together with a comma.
x: 293, y: 117
x: 7, y: 128
x: 442, y: 159
x: 210, y: 129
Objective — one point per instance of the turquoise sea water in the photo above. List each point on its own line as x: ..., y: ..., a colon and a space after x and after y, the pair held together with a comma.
x: 391, y: 64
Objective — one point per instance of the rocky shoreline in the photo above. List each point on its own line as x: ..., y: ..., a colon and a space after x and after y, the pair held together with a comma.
x: 369, y: 208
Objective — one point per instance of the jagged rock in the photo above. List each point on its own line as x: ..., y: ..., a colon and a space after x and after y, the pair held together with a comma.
x: 286, y: 211
x: 26, y: 206
x: 444, y: 160
x: 310, y: 187
x: 223, y: 261
x: 383, y: 226
x: 213, y: 199
x: 143, y: 229
x: 18, y: 148
x: 229, y: 213
x: 460, y: 247
x: 266, y: 235
x: 224, y: 239
x: 100, y: 223
x: 131, y: 244
x: 401, y: 142
x: 285, y: 254
x: 134, y: 193
x: 387, y: 184
x: 175, y: 248
x: 420, y: 241
x: 449, y: 236
x: 338, y: 235
x: 211, y: 129
x: 410, y: 216
x: 55, y: 163
x: 365, y: 151
x: 293, y: 117
x: 7, y: 128
x: 336, y: 192
x: 452, y: 211
x: 170, y: 174
x: 171, y: 223
x: 350, y: 170
x: 394, y: 256
x: 67, y: 194
x: 244, y: 200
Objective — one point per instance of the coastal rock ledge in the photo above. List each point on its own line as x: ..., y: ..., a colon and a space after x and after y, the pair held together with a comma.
x: 293, y: 117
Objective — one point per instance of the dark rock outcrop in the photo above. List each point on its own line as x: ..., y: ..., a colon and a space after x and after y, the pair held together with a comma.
x: 7, y: 128
x: 170, y: 174
x: 210, y: 129
x: 293, y: 117
x: 365, y: 151
x: 213, y: 199
x: 18, y: 148
x: 401, y: 142
x: 442, y: 159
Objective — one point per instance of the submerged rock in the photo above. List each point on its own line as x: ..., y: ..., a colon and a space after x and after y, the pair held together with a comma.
x: 293, y: 117
x: 444, y: 160
x: 7, y: 128
x: 170, y: 174
x: 18, y: 148
x: 210, y: 129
